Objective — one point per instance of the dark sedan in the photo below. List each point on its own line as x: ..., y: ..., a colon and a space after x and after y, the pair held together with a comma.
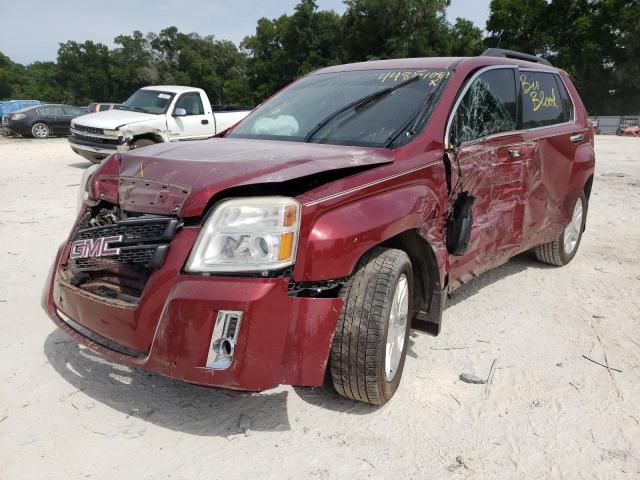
x: 42, y: 121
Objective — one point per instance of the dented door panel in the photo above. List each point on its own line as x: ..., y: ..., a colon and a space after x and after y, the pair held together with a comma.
x: 494, y: 171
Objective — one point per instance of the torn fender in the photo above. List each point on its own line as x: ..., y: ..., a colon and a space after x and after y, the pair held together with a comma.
x: 338, y: 238
x: 133, y: 130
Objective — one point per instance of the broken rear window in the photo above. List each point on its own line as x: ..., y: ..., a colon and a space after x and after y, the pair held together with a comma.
x: 316, y: 108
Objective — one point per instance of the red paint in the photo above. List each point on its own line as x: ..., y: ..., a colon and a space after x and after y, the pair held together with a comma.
x: 520, y: 202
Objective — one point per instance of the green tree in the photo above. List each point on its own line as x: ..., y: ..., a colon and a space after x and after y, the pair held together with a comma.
x: 41, y: 80
x: 466, y: 39
x: 216, y: 66
x: 7, y: 67
x: 595, y: 41
x: 519, y: 25
x: 85, y: 71
x: 132, y: 65
x: 396, y: 29
x: 290, y: 46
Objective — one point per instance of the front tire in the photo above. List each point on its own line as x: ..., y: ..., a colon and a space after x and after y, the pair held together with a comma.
x: 40, y: 130
x: 143, y: 142
x: 370, y: 343
x: 562, y: 250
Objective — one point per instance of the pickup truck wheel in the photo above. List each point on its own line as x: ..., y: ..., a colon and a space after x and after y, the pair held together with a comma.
x: 143, y: 142
x: 562, y: 250
x: 370, y: 343
x: 40, y: 130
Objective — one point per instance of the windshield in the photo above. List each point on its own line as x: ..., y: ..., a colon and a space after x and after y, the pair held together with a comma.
x: 148, y: 101
x: 313, y: 109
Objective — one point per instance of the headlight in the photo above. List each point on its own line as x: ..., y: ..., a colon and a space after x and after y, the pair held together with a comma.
x: 18, y: 116
x: 111, y: 133
x: 84, y: 189
x: 248, y: 234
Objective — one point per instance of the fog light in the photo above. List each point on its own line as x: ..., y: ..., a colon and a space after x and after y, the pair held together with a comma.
x: 224, y: 339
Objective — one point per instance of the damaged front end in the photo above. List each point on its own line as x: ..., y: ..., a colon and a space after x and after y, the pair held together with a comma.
x: 113, y: 253
x: 159, y: 275
x: 95, y: 143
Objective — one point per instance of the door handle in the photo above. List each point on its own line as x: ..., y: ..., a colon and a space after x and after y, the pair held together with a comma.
x: 514, y: 153
x: 576, y: 138
x: 204, y: 122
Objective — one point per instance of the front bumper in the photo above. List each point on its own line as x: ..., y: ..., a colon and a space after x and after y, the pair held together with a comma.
x: 13, y: 129
x: 282, y: 339
x: 95, y: 148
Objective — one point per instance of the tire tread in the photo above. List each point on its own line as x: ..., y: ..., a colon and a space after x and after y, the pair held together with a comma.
x: 353, y: 359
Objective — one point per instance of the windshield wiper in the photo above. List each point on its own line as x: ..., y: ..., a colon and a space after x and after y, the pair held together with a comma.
x: 412, y: 125
x: 355, y: 105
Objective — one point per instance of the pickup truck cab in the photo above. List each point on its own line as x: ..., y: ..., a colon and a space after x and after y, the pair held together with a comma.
x: 305, y: 243
x: 157, y: 114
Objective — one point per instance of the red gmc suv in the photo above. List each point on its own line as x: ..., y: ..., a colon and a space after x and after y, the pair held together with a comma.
x: 302, y: 245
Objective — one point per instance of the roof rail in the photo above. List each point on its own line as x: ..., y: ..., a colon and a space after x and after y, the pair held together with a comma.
x: 501, y: 52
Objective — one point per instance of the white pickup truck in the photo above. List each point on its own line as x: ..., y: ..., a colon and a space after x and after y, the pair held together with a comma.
x: 165, y: 113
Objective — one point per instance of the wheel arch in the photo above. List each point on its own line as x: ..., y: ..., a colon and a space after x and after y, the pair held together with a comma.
x: 147, y: 136
x: 407, y: 218
x: 427, y: 289
x: 588, y: 186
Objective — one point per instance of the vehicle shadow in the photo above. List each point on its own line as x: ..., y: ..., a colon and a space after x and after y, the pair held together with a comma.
x: 325, y: 397
x: 208, y: 411
x: 163, y: 401
x: 81, y: 165
x: 515, y: 265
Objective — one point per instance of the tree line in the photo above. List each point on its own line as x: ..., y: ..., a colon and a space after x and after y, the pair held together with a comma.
x: 596, y: 41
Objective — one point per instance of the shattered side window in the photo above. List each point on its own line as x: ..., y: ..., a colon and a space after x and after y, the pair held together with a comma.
x: 488, y: 107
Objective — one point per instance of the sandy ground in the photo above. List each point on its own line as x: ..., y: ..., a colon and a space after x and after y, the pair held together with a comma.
x: 66, y: 413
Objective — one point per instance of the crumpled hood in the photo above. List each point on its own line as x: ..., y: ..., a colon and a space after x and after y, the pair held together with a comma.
x: 172, y: 178
x: 112, y: 119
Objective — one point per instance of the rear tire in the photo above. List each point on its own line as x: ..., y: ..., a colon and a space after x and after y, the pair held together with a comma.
x: 562, y: 250
x: 370, y: 343
x: 40, y: 130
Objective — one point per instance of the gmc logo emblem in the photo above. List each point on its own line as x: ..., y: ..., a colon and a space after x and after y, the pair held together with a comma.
x: 95, y: 247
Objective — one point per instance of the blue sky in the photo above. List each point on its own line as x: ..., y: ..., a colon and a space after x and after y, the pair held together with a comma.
x: 31, y: 30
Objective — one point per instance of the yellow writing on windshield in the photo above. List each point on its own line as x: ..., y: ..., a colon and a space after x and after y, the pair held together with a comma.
x: 434, y: 77
x: 539, y: 99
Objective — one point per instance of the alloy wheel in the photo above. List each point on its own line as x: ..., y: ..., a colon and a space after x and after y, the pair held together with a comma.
x: 572, y: 231
x: 40, y: 130
x: 397, y: 328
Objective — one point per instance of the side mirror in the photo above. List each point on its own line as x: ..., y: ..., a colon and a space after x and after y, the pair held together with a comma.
x: 179, y: 112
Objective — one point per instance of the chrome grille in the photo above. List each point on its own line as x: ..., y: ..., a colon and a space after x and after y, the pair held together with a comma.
x: 145, y: 240
x: 82, y: 128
